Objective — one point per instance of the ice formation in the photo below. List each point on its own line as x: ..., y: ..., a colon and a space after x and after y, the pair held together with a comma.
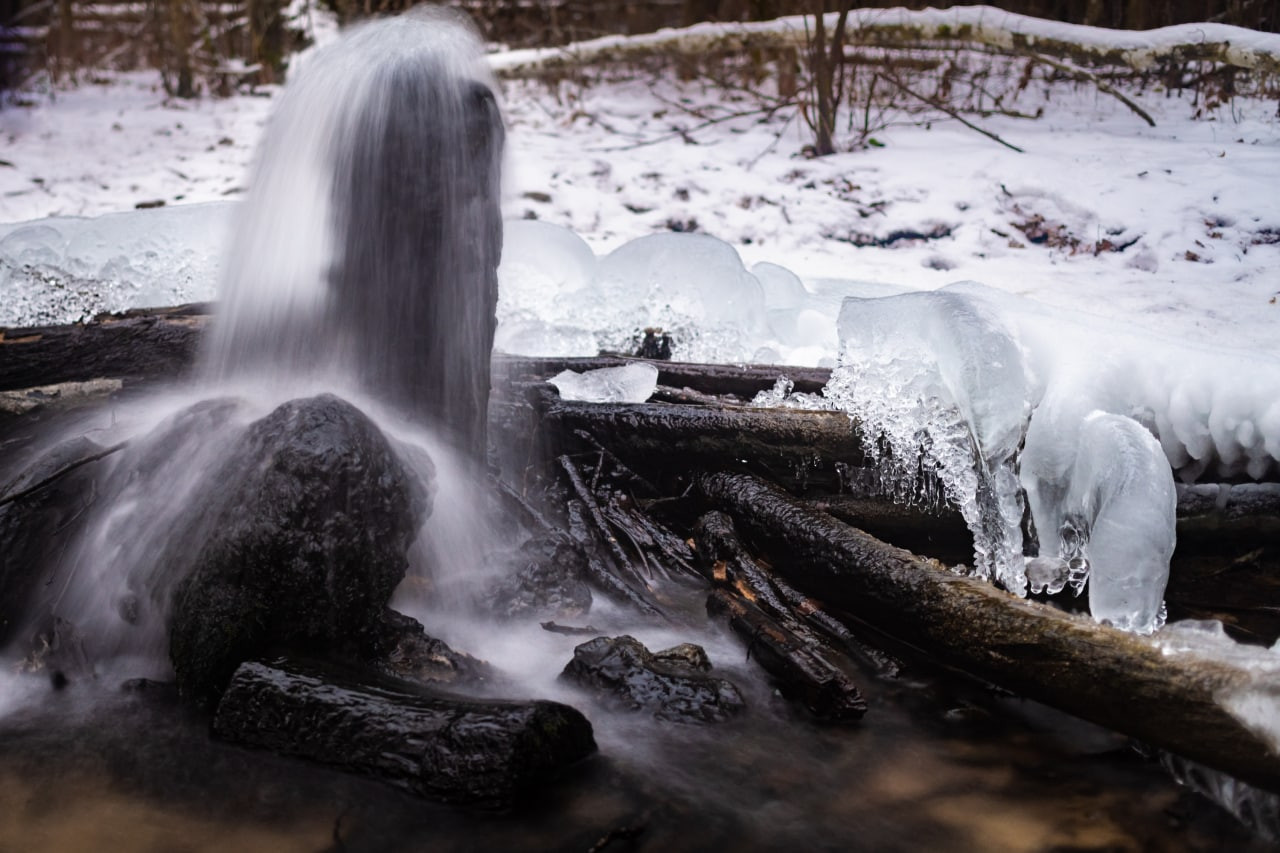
x: 631, y: 383
x: 955, y: 407
x: 68, y: 268
x: 981, y: 367
x: 939, y: 387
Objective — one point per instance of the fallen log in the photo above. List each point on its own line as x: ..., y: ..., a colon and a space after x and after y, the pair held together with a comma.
x: 801, y: 449
x: 444, y: 747
x: 143, y: 344
x: 1189, y: 705
x: 727, y: 562
x: 740, y: 380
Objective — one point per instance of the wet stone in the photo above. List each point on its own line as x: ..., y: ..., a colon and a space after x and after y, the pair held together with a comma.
x: 403, y: 649
x: 302, y: 537
x: 548, y: 582
x: 671, y: 684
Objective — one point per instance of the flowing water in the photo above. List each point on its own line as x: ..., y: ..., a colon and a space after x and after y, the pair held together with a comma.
x: 364, y: 265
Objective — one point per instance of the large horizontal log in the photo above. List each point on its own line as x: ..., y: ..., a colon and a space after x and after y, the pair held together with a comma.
x: 789, y: 446
x: 741, y: 380
x: 1174, y: 701
x: 444, y: 747
x: 154, y: 343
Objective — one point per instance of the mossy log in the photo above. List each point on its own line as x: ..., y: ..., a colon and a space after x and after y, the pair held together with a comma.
x: 450, y: 748
x: 1118, y: 680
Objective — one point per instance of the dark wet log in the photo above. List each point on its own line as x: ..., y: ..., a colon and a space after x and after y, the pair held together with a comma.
x: 1212, y: 511
x: 942, y: 535
x: 143, y: 344
x: 439, y: 746
x: 801, y: 671
x: 726, y: 561
x: 797, y: 448
x: 1118, y: 680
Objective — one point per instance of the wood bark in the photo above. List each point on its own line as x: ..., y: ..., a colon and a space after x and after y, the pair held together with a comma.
x: 797, y: 448
x: 445, y: 747
x: 147, y: 344
x: 1118, y: 680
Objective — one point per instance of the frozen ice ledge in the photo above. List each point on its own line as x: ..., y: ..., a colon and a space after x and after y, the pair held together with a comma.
x: 977, y: 397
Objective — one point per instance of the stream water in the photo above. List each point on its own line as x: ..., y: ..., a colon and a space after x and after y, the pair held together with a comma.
x: 937, y: 763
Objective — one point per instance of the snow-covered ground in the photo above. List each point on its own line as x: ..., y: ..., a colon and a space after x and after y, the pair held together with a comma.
x: 1193, y: 201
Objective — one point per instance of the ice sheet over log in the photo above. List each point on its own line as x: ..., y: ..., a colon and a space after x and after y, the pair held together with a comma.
x: 440, y: 746
x: 1106, y: 676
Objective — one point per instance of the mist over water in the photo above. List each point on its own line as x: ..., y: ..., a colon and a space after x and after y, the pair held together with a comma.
x: 363, y: 264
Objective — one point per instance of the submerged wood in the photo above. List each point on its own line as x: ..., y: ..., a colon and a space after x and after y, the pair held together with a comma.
x: 1117, y: 680
x: 433, y: 744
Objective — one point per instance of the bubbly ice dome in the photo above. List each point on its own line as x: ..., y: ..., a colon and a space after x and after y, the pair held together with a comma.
x: 67, y: 269
x: 631, y: 383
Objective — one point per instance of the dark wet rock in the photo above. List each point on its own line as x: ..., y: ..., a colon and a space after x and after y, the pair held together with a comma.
x: 439, y: 746
x: 671, y: 683
x: 686, y: 655
x: 300, y: 540
x: 38, y: 511
x: 548, y: 580
x: 405, y: 650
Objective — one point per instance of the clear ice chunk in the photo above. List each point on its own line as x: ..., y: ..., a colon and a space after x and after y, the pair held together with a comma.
x: 940, y: 388
x: 1121, y: 496
x: 631, y: 383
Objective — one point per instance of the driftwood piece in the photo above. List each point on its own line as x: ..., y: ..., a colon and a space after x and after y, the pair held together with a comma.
x: 1117, y: 680
x: 440, y: 746
x: 146, y: 344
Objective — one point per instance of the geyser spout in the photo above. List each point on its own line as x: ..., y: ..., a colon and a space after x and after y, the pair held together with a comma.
x: 369, y: 250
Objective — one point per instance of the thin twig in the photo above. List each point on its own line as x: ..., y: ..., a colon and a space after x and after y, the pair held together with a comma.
x: 685, y: 133
x: 938, y: 105
x: 1096, y: 81
x: 19, y: 495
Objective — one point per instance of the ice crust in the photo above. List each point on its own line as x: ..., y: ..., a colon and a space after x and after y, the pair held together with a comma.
x: 954, y: 407
x: 631, y: 383
x: 67, y: 269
